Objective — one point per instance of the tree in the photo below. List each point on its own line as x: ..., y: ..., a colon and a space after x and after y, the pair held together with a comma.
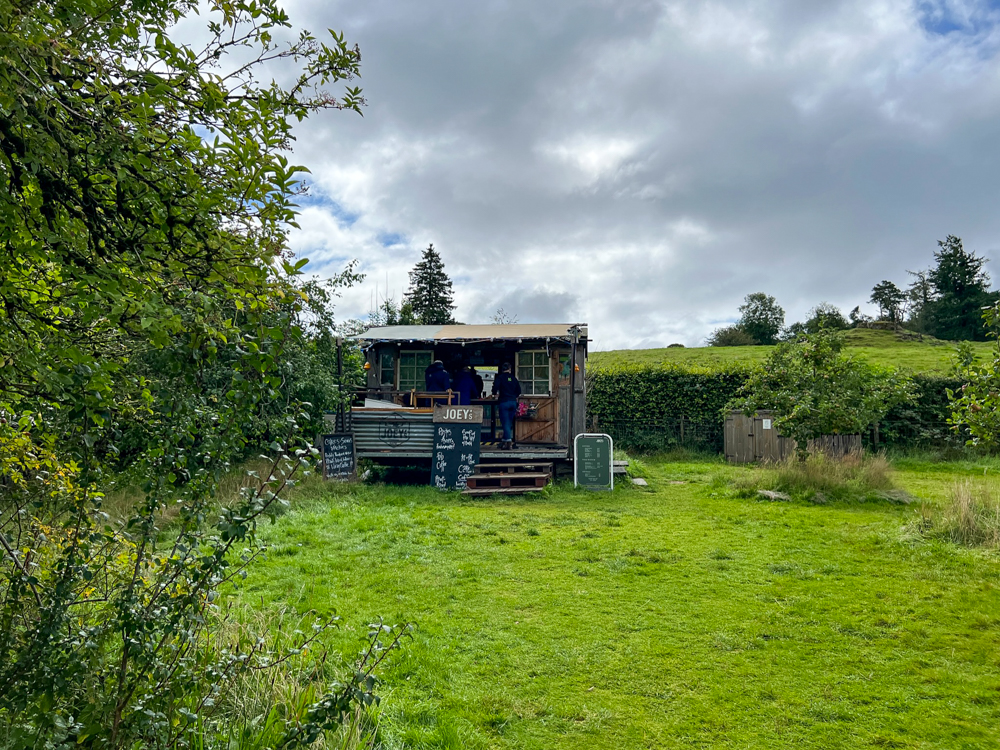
x: 889, y: 299
x: 826, y: 317
x: 858, y: 319
x: 761, y: 317
x: 919, y: 299
x: 730, y: 336
x: 816, y: 390
x: 976, y: 406
x: 430, y: 290
x: 150, y: 308
x: 501, y: 317
x: 961, y: 289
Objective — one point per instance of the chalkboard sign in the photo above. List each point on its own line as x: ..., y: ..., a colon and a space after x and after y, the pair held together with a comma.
x: 592, y: 461
x: 456, y: 453
x: 338, y: 456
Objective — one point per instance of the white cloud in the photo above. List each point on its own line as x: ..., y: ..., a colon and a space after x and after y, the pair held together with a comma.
x: 644, y: 165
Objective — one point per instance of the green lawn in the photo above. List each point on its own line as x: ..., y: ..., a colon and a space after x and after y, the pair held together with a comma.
x: 676, y: 616
x: 879, y: 347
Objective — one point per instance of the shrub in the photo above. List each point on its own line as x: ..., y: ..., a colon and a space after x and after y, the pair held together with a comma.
x: 815, y: 390
x: 731, y: 336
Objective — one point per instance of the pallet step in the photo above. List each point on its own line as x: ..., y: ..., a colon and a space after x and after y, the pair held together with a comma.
x: 481, y: 481
x: 501, y: 491
x: 512, y: 475
x: 523, y: 466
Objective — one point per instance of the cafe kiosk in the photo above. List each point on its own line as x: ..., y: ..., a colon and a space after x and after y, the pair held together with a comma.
x: 393, y: 417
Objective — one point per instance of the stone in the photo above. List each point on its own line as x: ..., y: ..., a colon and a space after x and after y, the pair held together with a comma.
x: 772, y: 495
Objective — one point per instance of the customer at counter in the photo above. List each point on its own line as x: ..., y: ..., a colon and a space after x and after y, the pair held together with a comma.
x: 506, y: 388
x: 436, y: 378
x: 465, y: 384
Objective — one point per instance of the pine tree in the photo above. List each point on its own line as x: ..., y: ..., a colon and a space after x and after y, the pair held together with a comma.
x: 430, y: 294
x: 961, y: 287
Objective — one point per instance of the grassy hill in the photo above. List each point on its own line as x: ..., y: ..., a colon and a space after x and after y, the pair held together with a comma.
x: 924, y: 354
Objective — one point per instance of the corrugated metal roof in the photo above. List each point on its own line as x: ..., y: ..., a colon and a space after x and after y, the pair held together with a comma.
x: 473, y: 332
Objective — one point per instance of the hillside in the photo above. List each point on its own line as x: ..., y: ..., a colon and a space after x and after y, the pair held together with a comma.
x: 879, y: 347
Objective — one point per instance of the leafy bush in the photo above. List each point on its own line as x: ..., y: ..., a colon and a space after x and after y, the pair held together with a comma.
x: 976, y: 405
x: 731, y: 336
x: 816, y: 390
x: 152, y: 318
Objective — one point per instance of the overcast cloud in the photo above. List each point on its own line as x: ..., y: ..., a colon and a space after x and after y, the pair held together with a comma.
x: 641, y: 166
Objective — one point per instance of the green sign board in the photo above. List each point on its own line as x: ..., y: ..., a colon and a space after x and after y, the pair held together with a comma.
x: 593, y: 456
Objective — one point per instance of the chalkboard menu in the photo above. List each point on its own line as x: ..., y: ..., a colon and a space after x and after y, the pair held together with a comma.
x: 592, y: 461
x: 456, y: 453
x: 338, y: 456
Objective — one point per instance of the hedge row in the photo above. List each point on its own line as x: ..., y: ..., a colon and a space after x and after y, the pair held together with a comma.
x: 650, y: 395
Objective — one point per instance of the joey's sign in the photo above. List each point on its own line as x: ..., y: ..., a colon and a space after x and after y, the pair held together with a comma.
x: 393, y: 430
x: 458, y: 414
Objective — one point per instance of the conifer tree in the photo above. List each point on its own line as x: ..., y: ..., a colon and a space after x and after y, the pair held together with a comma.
x: 430, y: 294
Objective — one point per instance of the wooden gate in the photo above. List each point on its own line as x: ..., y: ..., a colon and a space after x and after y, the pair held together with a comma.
x: 739, y: 438
x: 543, y: 426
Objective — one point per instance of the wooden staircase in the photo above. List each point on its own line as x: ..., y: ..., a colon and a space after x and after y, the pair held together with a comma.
x: 509, y: 478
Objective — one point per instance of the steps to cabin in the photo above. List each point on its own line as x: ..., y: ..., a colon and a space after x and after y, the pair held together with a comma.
x: 509, y: 478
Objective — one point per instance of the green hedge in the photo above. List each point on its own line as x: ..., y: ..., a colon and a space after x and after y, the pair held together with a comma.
x: 925, y: 421
x: 644, y: 399
x: 649, y: 393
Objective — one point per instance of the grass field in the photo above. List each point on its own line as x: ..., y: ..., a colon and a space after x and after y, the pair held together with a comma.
x: 879, y: 347
x: 678, y: 616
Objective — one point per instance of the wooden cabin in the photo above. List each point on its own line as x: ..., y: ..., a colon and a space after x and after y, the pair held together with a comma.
x: 392, y: 422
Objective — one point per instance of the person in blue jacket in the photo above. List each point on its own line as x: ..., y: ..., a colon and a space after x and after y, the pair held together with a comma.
x: 465, y: 384
x: 506, y: 388
x: 436, y: 378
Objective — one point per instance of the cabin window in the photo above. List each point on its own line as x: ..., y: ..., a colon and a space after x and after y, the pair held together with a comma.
x: 533, y: 372
x: 411, y: 369
x: 387, y: 369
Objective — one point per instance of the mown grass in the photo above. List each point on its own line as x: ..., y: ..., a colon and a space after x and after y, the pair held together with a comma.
x: 878, y: 347
x: 681, y: 615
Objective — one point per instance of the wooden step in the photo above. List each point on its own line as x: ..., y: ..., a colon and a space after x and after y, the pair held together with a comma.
x: 516, y: 467
x: 501, y: 491
x: 512, y: 474
x: 517, y: 479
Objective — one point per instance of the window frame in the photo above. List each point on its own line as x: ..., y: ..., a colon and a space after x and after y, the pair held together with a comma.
x: 528, y: 385
x: 394, y: 376
x: 419, y: 383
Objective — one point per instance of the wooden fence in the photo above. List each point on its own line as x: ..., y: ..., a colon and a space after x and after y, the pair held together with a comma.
x: 754, y: 439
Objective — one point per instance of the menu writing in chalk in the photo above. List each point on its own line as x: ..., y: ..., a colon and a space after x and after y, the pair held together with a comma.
x: 339, y: 459
x: 456, y: 454
x: 593, y: 454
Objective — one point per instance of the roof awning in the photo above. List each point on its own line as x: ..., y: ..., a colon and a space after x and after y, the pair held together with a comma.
x: 465, y: 334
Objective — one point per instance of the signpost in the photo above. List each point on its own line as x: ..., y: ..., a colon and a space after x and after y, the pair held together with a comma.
x: 457, y: 432
x: 593, y: 457
x: 339, y: 459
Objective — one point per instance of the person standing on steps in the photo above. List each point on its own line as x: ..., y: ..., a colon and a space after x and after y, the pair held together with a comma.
x: 506, y: 388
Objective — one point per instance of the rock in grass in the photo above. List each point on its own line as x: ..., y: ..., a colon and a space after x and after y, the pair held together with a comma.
x: 772, y: 495
x: 900, y: 497
x: 640, y: 482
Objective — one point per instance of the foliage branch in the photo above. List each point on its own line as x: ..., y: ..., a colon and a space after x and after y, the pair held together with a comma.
x: 149, y: 310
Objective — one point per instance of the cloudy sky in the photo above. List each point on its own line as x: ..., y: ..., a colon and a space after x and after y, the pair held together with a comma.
x: 642, y: 166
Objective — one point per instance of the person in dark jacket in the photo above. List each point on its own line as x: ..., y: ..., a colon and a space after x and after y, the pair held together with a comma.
x: 506, y: 388
x: 465, y: 384
x: 478, y: 390
x: 436, y: 378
